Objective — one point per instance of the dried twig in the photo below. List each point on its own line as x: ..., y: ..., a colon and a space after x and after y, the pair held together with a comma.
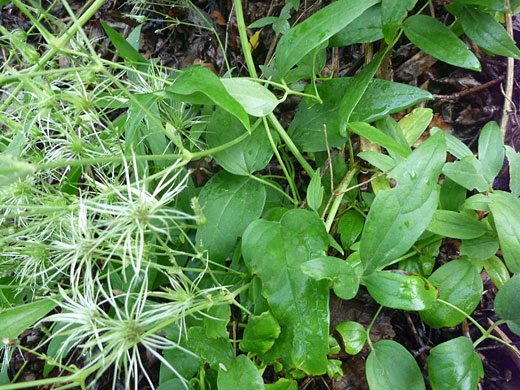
x: 457, y: 95
x: 509, y: 79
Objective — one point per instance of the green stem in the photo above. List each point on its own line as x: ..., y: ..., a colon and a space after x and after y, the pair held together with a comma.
x: 480, y: 327
x: 372, y: 324
x: 338, y: 199
x: 243, y: 38
x: 267, y: 183
x: 289, y: 178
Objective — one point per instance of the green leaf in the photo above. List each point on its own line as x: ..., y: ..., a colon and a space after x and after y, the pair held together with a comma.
x: 379, y: 160
x: 437, y: 40
x: 260, y: 333
x: 201, y: 86
x: 506, y: 214
x: 480, y: 248
x: 455, y: 146
x: 275, y: 251
x: 456, y: 225
x: 468, y: 173
x: 124, y: 48
x: 241, y: 374
x: 497, y: 271
x: 353, y: 335
x: 479, y: 202
x: 358, y: 87
x: 486, y: 32
x: 249, y: 155
x: 345, y: 282
x: 350, y: 227
x: 507, y: 304
x: 378, y: 137
x: 364, y: 29
x: 15, y: 320
x: 262, y: 22
x: 452, y: 196
x: 256, y: 99
x: 400, y: 215
x: 491, y: 151
x: 495, y: 5
x: 229, y: 203
x: 215, y: 323
x: 392, y: 12
x: 399, y: 290
x: 315, y: 30
x: 459, y: 283
x: 415, y: 123
x: 172, y: 384
x: 282, y: 384
x: 514, y: 170
x: 454, y: 364
x: 422, y: 263
x: 391, y: 367
x: 381, y: 98
x: 214, y: 351
x: 315, y: 191
x: 185, y: 364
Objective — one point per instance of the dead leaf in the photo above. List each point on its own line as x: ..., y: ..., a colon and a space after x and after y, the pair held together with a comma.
x: 218, y: 18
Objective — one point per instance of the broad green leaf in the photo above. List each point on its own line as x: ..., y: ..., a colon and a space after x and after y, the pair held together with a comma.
x: 353, y: 335
x: 456, y: 225
x: 514, y: 170
x: 241, y: 374
x: 260, y: 333
x: 381, y: 98
x: 479, y: 202
x: 400, y: 215
x: 496, y: 5
x: 376, y: 136
x: 454, y: 364
x: 350, y: 227
x: 199, y: 85
x: 452, y: 196
x: 15, y: 320
x: 506, y: 214
x: 480, y: 248
x: 345, y: 282
x: 275, y: 252
x: 378, y: 160
x: 185, y: 364
x: 422, y: 263
x: 468, y: 173
x: 216, y: 352
x: 415, y: 123
x: 124, y: 48
x: 256, y: 99
x: 491, y: 151
x: 358, y: 87
x: 334, y: 370
x: 507, y: 304
x: 399, y: 290
x: 455, y: 146
x: 282, y: 384
x: 229, y: 203
x: 315, y: 30
x: 172, y: 384
x: 315, y: 191
x: 459, y: 283
x: 364, y: 29
x: 391, y: 367
x: 392, y: 12
x: 249, y: 155
x: 216, y: 320
x: 486, y: 32
x: 262, y: 22
x: 497, y: 271
x: 389, y: 126
x: 437, y: 40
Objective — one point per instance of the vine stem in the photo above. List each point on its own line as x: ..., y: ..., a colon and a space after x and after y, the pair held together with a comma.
x: 252, y: 71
